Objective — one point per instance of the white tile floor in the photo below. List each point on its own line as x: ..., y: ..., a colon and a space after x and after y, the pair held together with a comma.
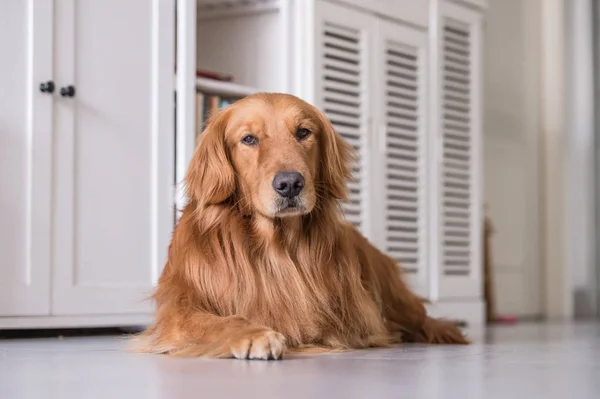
x: 525, y: 361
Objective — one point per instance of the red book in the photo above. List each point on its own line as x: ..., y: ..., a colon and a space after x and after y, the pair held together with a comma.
x: 201, y: 73
x: 212, y: 75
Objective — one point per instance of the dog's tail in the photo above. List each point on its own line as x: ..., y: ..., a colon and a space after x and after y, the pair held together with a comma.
x: 436, y: 331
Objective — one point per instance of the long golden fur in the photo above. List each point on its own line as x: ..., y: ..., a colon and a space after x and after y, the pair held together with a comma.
x: 251, y: 274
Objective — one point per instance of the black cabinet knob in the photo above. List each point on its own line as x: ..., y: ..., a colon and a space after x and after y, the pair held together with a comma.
x: 47, y: 87
x: 67, y: 91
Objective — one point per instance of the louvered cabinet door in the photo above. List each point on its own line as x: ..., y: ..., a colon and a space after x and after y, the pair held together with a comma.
x: 401, y: 103
x: 342, y: 62
x: 460, y: 205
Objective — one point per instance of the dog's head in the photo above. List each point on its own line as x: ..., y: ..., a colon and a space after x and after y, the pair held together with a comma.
x: 272, y: 154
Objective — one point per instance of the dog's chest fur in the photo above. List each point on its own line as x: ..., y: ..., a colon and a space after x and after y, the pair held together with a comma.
x: 300, y: 291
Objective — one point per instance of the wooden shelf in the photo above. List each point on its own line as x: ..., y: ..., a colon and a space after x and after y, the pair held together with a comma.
x: 228, y: 89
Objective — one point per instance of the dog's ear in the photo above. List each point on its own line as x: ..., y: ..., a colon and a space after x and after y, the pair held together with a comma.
x: 336, y: 159
x: 210, y: 178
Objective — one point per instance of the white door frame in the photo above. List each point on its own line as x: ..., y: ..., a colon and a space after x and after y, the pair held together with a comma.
x: 596, y: 116
x: 581, y: 18
x: 185, y: 89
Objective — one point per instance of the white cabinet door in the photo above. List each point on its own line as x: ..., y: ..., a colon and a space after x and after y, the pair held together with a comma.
x: 459, y: 175
x: 342, y: 65
x: 400, y: 169
x: 112, y: 210
x: 25, y: 157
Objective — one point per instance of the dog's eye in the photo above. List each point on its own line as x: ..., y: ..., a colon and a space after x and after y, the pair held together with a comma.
x: 302, y: 133
x: 250, y: 140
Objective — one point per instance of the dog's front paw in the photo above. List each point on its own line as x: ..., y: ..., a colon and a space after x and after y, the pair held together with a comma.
x: 263, y: 345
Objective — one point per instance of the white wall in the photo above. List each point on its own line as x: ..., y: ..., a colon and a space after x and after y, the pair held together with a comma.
x: 512, y: 152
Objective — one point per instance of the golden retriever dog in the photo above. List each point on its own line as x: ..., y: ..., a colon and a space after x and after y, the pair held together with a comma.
x: 263, y: 262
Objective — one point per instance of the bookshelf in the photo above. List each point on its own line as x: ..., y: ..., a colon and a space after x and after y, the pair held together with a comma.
x: 210, y: 9
x: 212, y: 95
x: 240, y: 39
x: 212, y: 86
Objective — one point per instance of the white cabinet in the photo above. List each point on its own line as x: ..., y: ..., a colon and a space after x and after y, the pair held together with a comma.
x: 343, y: 53
x: 25, y: 157
x: 371, y: 81
x: 408, y: 99
x: 86, y: 180
x: 459, y: 203
x: 89, y: 167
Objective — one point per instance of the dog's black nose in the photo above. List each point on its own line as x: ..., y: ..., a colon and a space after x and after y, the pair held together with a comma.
x: 288, y: 184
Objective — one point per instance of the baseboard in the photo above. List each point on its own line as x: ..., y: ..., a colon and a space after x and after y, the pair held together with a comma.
x: 471, y: 313
x: 127, y: 320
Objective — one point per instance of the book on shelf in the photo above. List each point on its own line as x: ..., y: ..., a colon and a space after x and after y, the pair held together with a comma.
x: 213, y: 75
x: 203, y: 73
x: 206, y: 105
x: 199, y: 113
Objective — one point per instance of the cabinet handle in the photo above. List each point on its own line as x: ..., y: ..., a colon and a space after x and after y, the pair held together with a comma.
x: 47, y: 87
x: 67, y: 91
